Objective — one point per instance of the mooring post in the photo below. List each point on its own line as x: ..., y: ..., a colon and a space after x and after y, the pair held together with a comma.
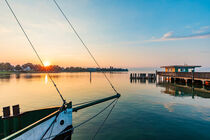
x: 156, y: 74
x: 193, y: 76
x: 203, y: 82
x: 193, y: 94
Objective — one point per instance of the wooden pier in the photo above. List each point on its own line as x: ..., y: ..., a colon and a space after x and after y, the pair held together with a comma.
x: 186, y: 77
x: 142, y: 76
x: 182, y: 74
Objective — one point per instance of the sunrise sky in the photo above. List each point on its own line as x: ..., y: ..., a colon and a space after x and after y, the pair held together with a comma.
x: 120, y: 33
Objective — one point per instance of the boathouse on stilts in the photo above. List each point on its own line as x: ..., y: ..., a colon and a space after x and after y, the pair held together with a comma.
x: 184, y: 74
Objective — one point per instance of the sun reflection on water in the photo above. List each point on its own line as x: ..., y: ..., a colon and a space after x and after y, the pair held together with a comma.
x: 46, y: 79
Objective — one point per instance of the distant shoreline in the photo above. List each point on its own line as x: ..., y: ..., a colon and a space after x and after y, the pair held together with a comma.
x: 7, y: 68
x: 13, y: 72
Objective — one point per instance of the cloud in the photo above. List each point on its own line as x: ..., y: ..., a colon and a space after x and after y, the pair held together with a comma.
x: 167, y: 35
x: 170, y: 36
x: 202, y: 29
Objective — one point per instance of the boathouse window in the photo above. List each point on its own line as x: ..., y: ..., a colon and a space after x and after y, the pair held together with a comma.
x: 181, y: 70
x: 169, y: 70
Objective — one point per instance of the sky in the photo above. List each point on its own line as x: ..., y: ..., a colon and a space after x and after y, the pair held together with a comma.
x: 119, y: 33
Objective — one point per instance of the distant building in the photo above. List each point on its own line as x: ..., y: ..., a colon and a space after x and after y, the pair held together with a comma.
x: 92, y: 69
x: 180, y: 68
x: 27, y: 69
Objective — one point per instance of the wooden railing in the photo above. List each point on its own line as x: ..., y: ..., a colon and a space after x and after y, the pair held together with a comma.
x: 199, y: 75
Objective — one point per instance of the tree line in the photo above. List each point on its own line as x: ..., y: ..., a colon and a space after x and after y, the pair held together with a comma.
x: 29, y: 67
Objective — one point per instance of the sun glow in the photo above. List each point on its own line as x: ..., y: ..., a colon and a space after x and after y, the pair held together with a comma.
x: 46, y: 63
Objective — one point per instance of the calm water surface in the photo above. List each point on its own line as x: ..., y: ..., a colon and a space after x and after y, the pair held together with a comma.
x: 146, y: 110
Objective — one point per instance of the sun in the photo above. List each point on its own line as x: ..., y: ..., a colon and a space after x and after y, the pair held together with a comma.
x: 46, y: 63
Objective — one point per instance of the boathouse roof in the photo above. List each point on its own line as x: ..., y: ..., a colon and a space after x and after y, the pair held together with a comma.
x: 181, y: 66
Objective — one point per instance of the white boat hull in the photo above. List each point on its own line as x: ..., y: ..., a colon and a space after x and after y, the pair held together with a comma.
x: 63, y: 120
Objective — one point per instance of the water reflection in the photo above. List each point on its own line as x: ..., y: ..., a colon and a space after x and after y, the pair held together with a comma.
x: 179, y: 90
x: 5, y: 77
x: 147, y: 112
x: 90, y: 77
x: 46, y: 79
x: 19, y: 88
x: 44, y: 75
x: 151, y: 81
x: 17, y: 75
x: 142, y: 81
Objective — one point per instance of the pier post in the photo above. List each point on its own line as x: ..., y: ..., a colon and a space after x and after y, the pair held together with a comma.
x: 131, y: 76
x: 156, y: 74
x: 185, y: 81
x: 193, y: 77
x: 203, y: 82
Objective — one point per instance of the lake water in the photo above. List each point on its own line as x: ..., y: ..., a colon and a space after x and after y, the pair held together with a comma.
x: 145, y: 110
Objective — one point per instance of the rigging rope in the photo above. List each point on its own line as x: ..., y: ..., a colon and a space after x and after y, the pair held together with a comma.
x: 83, y: 43
x: 96, y: 114
x: 52, y: 124
x: 84, y: 122
x: 100, y: 127
x: 32, y: 46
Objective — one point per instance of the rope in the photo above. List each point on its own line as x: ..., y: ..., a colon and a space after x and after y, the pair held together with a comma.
x: 84, y: 122
x: 100, y: 127
x: 32, y: 46
x: 52, y: 124
x: 96, y: 114
x: 88, y: 50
